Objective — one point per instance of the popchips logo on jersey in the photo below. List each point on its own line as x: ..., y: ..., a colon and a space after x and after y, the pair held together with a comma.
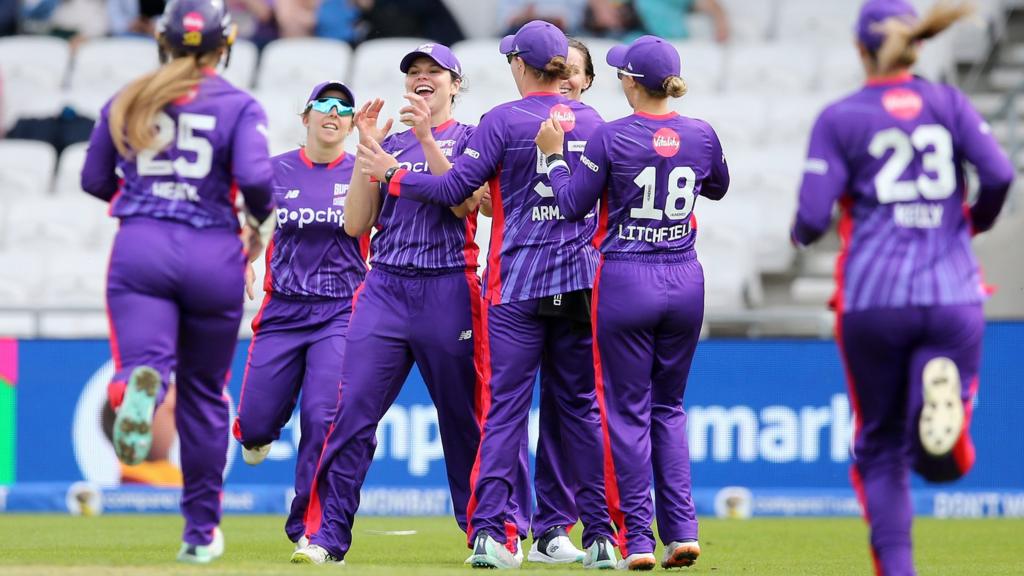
x: 564, y: 116
x: 902, y: 103
x: 303, y: 216
x: 666, y: 142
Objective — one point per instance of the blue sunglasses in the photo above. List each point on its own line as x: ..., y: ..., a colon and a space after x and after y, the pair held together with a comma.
x: 326, y: 104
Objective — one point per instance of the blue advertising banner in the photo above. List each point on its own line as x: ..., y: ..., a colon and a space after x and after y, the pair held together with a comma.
x: 769, y: 430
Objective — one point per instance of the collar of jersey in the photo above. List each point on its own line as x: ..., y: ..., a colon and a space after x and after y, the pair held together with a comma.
x: 665, y: 116
x: 309, y: 163
x: 890, y: 80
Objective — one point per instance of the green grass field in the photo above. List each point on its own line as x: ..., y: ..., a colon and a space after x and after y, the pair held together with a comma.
x: 146, y: 545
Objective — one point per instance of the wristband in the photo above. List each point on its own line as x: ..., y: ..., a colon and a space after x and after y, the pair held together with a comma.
x: 389, y: 173
x: 553, y: 161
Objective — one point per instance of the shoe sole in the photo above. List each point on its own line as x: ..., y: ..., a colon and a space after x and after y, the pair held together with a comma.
x: 682, y: 558
x: 482, y: 561
x: 133, y: 426
x: 644, y: 565
x: 188, y: 559
x: 602, y: 565
x: 301, y: 559
x: 942, y: 415
x: 538, y: 557
x: 255, y: 456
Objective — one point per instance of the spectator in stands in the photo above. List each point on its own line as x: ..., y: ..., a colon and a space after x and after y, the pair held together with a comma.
x: 414, y: 18
x: 665, y: 18
x: 566, y: 14
x: 133, y: 17
x: 255, y: 20
x: 8, y: 17
x: 296, y: 18
x: 342, y: 20
x: 70, y: 19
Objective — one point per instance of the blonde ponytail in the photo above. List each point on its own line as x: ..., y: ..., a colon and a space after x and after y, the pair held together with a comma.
x: 899, y: 50
x: 674, y: 86
x: 133, y: 112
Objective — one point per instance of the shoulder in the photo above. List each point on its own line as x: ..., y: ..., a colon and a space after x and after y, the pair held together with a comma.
x: 285, y: 159
x: 395, y: 141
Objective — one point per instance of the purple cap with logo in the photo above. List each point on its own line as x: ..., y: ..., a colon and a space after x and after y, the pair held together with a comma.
x: 649, y: 60
x: 873, y: 13
x: 537, y: 42
x: 332, y: 85
x: 439, y: 53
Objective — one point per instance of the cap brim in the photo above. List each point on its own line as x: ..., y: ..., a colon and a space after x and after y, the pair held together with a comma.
x: 340, y: 88
x: 410, y: 58
x: 617, y: 56
x: 506, y: 44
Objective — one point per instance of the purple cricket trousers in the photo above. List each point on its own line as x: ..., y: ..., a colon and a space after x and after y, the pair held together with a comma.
x: 884, y: 352
x: 648, y: 311
x: 174, y: 297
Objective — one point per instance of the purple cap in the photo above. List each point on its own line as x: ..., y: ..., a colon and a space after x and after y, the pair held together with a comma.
x: 649, y: 60
x: 537, y: 42
x: 332, y: 85
x: 873, y: 13
x: 439, y: 53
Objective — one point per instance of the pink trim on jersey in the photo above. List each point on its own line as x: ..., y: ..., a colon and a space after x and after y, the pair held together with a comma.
x: 890, y: 80
x: 648, y: 115
x: 395, y: 185
x: 528, y: 94
x: 443, y: 126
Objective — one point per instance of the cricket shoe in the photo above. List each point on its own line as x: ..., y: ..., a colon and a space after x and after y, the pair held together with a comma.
x: 196, y: 554
x: 681, y: 554
x: 301, y: 543
x: 256, y: 454
x: 642, y: 561
x: 554, y: 547
x: 942, y: 416
x: 600, y: 555
x: 315, y: 554
x: 489, y: 553
x: 133, y: 425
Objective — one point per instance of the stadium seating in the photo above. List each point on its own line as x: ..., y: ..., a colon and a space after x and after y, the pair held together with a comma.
x: 26, y: 168
x: 241, y: 69
x: 103, y: 66
x: 69, y: 170
x: 375, y: 72
x: 301, y: 63
x: 32, y: 71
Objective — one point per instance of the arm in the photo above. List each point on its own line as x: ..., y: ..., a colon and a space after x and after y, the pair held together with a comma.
x: 825, y: 179
x: 717, y: 182
x: 478, y: 163
x: 718, y: 16
x: 362, y: 206
x: 576, y: 194
x: 995, y: 171
x: 98, y: 176
x: 250, y: 161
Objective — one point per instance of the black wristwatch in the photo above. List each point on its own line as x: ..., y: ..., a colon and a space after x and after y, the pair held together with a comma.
x: 389, y: 173
x: 553, y: 158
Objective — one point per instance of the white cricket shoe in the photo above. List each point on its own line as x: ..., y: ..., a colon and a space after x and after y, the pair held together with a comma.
x: 301, y: 543
x: 195, y: 554
x: 489, y: 553
x: 600, y: 555
x: 554, y: 547
x: 256, y: 454
x: 642, y: 561
x: 942, y: 416
x: 314, y: 554
x: 680, y: 554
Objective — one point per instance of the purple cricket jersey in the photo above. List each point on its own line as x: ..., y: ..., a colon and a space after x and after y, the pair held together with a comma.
x: 424, y: 236
x: 310, y: 254
x: 661, y: 164
x: 893, y: 153
x: 534, y: 251
x: 209, y: 145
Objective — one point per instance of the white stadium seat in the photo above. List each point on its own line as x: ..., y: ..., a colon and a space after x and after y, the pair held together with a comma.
x: 476, y: 18
x: 26, y: 168
x: 738, y: 119
x: 301, y: 63
x: 105, y: 65
x: 769, y: 68
x: 283, y: 117
x: 54, y: 222
x: 69, y: 170
x: 487, y: 73
x: 376, y: 73
x: 841, y: 71
x: 241, y: 69
x: 703, y: 65
x: 21, y: 273
x: 817, y: 22
x: 791, y: 117
x: 749, y: 20
x: 75, y: 279
x: 729, y: 272
x: 33, y: 69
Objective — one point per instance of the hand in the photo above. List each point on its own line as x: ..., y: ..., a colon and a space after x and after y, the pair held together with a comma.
x: 250, y: 280
x: 366, y: 122
x: 417, y: 116
x: 373, y: 161
x: 550, y: 138
x: 252, y: 242
x: 486, y: 208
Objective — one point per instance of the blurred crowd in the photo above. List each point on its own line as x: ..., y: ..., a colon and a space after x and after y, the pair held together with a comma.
x: 354, y: 21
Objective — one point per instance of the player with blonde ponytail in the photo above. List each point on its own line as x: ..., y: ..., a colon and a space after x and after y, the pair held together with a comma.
x: 909, y: 298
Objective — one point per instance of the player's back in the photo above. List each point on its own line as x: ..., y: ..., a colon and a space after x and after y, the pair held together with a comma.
x: 538, y: 251
x: 906, y: 236
x: 658, y: 166
x: 188, y: 174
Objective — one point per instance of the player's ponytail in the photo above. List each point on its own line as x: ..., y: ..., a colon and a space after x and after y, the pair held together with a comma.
x: 899, y: 50
x: 133, y: 112
x: 674, y: 86
x: 556, y: 68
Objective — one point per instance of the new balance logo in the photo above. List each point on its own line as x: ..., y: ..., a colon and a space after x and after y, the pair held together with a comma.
x: 466, y: 335
x: 291, y: 195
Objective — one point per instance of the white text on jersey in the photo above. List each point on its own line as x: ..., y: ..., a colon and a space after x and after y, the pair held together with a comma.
x: 170, y: 190
x: 304, y: 216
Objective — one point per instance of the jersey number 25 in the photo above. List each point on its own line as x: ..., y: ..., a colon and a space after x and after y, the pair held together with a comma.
x: 187, y: 141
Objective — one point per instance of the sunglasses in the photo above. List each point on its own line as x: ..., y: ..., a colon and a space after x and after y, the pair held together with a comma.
x: 511, y: 56
x: 325, y: 105
x: 621, y: 73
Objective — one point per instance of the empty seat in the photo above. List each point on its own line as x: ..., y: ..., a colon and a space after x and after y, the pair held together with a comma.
x: 241, y: 69
x: 105, y: 65
x: 770, y: 68
x: 477, y: 19
x: 749, y: 20
x: 34, y: 69
x: 69, y: 170
x: 375, y: 64
x: 703, y: 65
x: 729, y: 271
x: 790, y: 118
x: 26, y: 168
x: 738, y: 119
x: 75, y: 279
x: 54, y: 223
x: 283, y: 118
x: 488, y: 75
x: 301, y: 63
x: 841, y: 71
x: 21, y: 275
x: 817, y: 22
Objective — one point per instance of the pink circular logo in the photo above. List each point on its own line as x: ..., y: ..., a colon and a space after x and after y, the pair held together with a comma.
x: 564, y: 115
x: 193, y: 22
x: 666, y: 142
x: 902, y: 103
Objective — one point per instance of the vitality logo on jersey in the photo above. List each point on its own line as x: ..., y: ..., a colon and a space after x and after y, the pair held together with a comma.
x: 564, y: 116
x: 902, y: 103
x: 666, y: 142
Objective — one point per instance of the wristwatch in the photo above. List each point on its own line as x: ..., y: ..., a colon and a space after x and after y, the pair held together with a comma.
x: 389, y: 173
x: 553, y: 158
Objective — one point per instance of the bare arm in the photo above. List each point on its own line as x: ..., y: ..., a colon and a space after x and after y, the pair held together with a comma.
x: 362, y: 206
